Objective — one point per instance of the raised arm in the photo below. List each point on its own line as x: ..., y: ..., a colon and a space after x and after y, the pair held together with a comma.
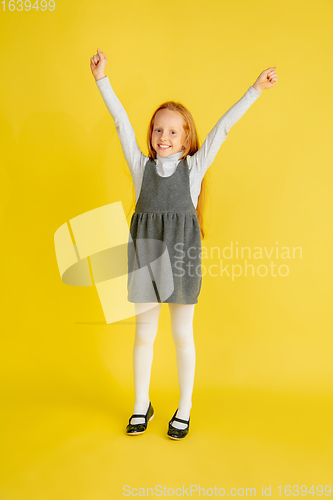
x: 133, y: 155
x: 204, y: 157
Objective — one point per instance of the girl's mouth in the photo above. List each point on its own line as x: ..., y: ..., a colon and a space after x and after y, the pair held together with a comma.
x: 163, y: 146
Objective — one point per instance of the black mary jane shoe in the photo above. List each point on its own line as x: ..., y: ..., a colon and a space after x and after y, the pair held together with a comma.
x: 178, y: 434
x: 135, y: 429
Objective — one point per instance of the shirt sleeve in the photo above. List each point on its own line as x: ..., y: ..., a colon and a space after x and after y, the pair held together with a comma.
x: 133, y: 155
x: 204, y: 157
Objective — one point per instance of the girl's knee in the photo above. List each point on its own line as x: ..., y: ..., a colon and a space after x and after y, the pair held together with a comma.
x: 145, y: 335
x: 183, y: 337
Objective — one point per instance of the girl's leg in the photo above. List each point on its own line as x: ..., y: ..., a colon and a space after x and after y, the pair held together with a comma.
x: 145, y: 333
x: 182, y: 333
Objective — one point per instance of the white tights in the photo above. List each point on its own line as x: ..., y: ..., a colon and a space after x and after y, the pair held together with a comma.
x: 182, y: 332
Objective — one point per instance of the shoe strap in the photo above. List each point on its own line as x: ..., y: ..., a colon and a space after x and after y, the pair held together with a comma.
x: 139, y: 415
x: 181, y: 420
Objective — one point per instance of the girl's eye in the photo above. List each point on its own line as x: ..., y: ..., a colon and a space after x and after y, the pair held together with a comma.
x: 159, y: 130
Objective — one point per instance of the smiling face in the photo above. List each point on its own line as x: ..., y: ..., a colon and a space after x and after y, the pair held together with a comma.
x: 168, y: 136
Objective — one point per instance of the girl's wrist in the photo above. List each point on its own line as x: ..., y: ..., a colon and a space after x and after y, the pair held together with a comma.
x: 257, y: 87
x: 99, y: 77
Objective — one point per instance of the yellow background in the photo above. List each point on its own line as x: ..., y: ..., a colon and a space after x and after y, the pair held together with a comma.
x: 262, y: 400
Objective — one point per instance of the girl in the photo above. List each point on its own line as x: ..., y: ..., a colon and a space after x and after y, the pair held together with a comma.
x: 168, y: 187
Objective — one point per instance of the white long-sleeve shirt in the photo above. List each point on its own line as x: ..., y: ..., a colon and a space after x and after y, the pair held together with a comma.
x: 198, y: 163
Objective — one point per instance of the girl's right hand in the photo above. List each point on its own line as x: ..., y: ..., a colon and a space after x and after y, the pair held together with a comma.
x: 98, y: 64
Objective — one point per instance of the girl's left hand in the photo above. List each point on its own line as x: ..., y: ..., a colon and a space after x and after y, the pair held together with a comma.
x: 267, y: 79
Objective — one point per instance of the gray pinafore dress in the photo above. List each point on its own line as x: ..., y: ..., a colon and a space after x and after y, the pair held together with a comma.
x: 164, y: 249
